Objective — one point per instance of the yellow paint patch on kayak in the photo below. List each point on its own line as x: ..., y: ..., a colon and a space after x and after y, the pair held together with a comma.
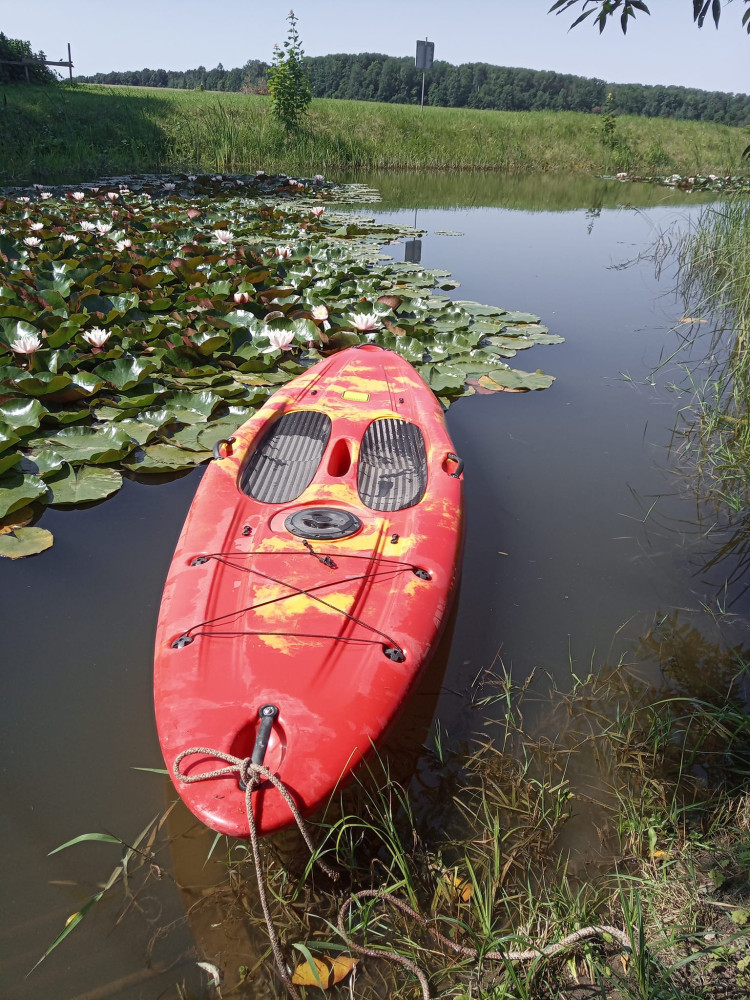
x: 356, y: 397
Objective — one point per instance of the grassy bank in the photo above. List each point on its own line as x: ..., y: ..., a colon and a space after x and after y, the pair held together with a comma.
x: 73, y: 132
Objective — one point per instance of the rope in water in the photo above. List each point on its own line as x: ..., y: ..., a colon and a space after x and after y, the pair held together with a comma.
x: 250, y: 775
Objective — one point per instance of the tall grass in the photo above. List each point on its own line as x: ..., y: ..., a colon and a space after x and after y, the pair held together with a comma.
x: 714, y: 279
x: 73, y: 131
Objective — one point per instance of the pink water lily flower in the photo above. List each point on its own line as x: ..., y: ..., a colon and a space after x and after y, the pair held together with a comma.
x: 319, y: 312
x: 27, y: 343
x: 32, y: 241
x: 112, y: 195
x: 223, y: 235
x: 96, y: 337
x: 281, y: 340
x: 283, y: 252
x: 44, y: 195
x: 241, y: 298
x: 364, y: 321
x: 25, y: 201
x: 77, y: 195
x: 317, y: 211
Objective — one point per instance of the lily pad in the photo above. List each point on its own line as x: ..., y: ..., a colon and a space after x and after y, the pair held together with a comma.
x: 70, y: 486
x: 25, y: 542
x: 17, y: 490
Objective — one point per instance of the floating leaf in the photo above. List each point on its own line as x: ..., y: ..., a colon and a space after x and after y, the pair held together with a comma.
x: 17, y: 490
x: 23, y: 415
x: 25, y: 542
x: 97, y: 445
x: 165, y: 458
x: 70, y: 486
x: 323, y: 972
x: 124, y: 373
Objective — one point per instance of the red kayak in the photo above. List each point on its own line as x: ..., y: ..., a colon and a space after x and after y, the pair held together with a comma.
x: 309, y: 586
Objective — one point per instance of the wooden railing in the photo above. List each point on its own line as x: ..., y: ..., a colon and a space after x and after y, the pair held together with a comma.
x: 35, y: 62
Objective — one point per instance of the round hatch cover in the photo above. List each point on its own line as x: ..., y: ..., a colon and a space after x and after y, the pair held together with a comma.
x: 322, y: 522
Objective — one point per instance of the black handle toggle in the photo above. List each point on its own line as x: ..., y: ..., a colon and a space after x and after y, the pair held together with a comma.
x: 217, y: 447
x: 268, y: 715
x: 460, y: 461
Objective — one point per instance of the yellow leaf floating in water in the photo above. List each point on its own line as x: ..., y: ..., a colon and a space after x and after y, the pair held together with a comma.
x: 692, y: 319
x: 330, y: 971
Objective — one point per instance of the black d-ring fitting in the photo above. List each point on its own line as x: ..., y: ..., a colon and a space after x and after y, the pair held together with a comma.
x: 394, y: 653
x: 460, y: 461
x: 217, y: 447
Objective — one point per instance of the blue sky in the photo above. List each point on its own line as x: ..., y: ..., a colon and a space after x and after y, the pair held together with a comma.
x: 662, y: 48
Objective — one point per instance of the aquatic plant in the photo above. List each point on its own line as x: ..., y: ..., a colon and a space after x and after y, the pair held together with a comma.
x: 134, y: 347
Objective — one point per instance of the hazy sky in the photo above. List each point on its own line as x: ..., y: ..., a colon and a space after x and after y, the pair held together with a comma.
x: 664, y: 47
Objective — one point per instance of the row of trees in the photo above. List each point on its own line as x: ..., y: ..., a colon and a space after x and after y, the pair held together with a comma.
x: 374, y: 77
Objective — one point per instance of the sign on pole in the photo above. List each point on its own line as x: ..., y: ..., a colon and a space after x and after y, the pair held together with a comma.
x: 425, y: 55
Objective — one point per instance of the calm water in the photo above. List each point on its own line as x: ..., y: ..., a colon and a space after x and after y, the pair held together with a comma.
x: 580, y: 538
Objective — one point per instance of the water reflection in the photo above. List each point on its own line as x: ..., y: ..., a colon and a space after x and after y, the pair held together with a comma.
x: 566, y: 566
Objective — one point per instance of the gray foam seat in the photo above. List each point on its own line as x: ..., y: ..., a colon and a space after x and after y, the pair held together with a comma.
x: 392, y: 471
x: 284, y: 463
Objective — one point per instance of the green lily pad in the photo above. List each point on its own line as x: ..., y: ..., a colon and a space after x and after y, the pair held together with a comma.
x: 124, y: 373
x: 25, y: 542
x: 165, y: 458
x: 70, y: 486
x: 96, y: 445
x: 17, y: 490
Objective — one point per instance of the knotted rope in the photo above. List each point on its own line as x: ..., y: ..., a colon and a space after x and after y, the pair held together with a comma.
x: 250, y: 775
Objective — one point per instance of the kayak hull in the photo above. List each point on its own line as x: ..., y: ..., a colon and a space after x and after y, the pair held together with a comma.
x: 314, y: 573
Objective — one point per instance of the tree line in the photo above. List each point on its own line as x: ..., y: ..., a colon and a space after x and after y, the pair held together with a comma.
x: 374, y: 77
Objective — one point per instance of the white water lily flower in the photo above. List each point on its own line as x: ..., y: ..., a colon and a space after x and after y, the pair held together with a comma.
x: 319, y: 312
x: 283, y: 252
x: 260, y: 173
x: 36, y: 226
x: 37, y: 187
x: 104, y: 227
x: 223, y: 236
x: 96, y: 337
x: 77, y: 195
x: 123, y: 245
x: 317, y: 211
x: 318, y: 178
x: 112, y: 195
x: 364, y: 321
x: 24, y: 200
x: 281, y: 340
x: 69, y: 237
x: 95, y: 190
x: 32, y: 241
x: 44, y: 195
x: 168, y: 186
x: 87, y: 227
x: 27, y: 343
x: 192, y: 177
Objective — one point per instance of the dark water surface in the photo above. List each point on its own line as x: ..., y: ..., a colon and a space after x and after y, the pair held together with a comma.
x: 581, y: 538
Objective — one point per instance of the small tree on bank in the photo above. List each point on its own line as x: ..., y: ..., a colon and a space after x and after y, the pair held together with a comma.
x: 287, y: 81
x: 16, y: 49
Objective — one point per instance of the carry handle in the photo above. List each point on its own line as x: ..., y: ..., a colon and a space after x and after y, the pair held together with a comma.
x: 268, y: 715
x: 217, y: 447
x: 454, y: 458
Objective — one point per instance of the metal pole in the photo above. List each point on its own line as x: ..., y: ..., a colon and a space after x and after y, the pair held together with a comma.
x: 421, y: 106
x: 70, y: 62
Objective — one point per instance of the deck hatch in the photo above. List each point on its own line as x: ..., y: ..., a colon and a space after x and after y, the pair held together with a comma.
x: 392, y: 471
x: 284, y: 463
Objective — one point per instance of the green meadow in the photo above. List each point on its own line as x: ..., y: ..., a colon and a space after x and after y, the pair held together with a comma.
x: 73, y: 132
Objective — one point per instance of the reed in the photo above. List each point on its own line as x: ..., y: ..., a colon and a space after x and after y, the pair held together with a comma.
x: 714, y: 280
x: 74, y: 132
